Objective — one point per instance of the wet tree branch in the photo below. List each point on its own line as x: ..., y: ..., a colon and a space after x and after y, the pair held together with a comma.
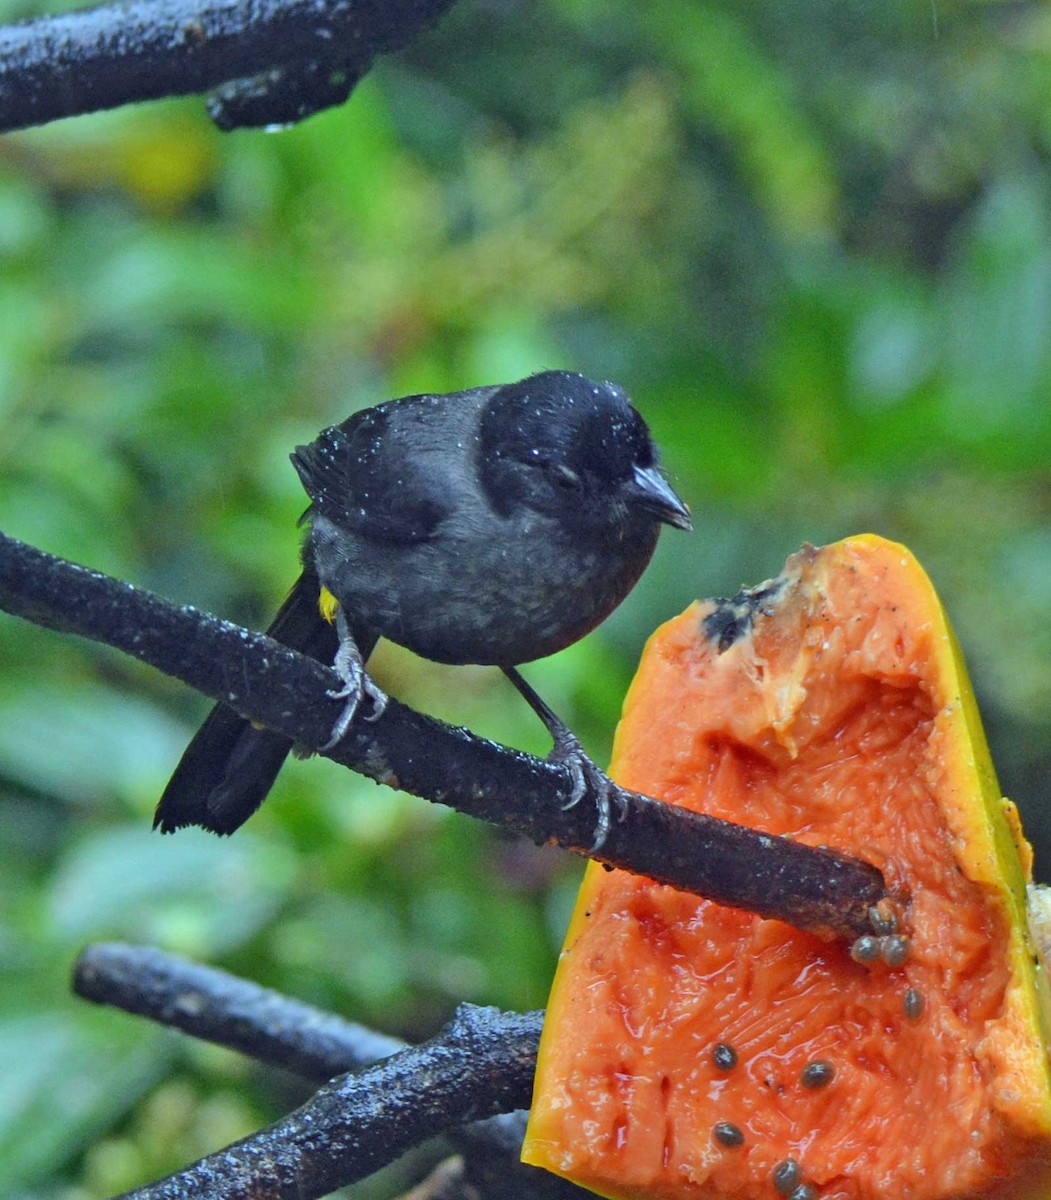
x: 274, y: 61
x: 813, y: 889
x: 277, y: 1030
x: 479, y: 1065
x: 207, y: 1003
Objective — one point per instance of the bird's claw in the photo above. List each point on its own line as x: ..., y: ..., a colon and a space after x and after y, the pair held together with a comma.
x: 588, y: 778
x: 356, y: 684
x: 353, y: 693
x: 567, y: 751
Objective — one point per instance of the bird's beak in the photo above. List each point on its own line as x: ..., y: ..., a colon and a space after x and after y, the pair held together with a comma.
x: 651, y: 491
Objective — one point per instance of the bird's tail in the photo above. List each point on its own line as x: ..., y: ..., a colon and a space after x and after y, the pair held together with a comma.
x: 230, y: 765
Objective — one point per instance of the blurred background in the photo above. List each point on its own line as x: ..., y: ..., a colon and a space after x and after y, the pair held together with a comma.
x: 812, y: 241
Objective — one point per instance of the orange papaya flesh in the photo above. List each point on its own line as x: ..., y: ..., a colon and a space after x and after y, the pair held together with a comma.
x: 831, y: 705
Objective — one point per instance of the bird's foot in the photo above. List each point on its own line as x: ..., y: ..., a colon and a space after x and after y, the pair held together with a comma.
x: 356, y: 684
x: 353, y: 691
x: 567, y: 750
x: 588, y: 779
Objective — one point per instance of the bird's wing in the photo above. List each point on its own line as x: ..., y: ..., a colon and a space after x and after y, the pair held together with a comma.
x: 373, y: 474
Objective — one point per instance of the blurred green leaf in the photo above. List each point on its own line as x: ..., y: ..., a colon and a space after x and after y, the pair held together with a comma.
x: 89, y: 745
x: 192, y: 893
x: 63, y: 1083
x: 997, y: 306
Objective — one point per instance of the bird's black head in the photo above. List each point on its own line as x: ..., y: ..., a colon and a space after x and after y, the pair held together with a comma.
x: 562, y: 445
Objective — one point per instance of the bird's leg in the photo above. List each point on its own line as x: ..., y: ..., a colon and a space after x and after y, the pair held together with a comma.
x: 356, y: 683
x: 568, y: 750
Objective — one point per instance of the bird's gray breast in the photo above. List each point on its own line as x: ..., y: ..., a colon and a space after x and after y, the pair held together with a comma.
x: 485, y: 590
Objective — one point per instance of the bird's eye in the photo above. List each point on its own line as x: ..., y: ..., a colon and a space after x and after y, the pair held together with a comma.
x: 564, y: 477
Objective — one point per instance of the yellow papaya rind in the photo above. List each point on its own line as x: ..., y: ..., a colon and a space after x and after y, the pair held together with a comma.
x: 986, y: 842
x: 990, y: 849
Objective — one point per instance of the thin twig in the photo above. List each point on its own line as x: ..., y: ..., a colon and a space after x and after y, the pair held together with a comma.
x: 811, y: 888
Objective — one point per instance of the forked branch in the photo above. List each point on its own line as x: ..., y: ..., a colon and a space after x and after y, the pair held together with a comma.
x: 274, y: 61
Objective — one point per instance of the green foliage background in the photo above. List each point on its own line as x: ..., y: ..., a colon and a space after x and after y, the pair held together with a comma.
x: 813, y: 241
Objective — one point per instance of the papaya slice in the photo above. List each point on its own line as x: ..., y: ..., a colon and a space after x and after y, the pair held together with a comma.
x: 694, y: 1050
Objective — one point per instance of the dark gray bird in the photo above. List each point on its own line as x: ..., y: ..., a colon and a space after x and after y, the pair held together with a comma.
x: 493, y: 526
